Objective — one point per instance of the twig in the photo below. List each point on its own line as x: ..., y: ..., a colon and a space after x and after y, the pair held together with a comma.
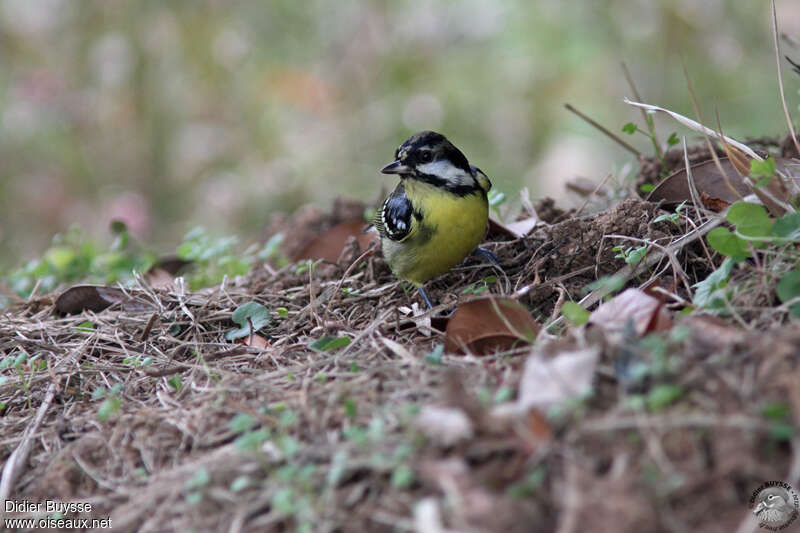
x: 613, y: 136
x: 628, y: 271
x: 16, y: 462
x: 648, y: 120
x: 780, y: 76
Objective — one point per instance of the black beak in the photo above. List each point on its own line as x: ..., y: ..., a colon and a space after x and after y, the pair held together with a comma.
x: 395, y: 167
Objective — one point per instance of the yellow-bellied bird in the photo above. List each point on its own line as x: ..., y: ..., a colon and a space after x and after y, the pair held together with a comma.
x: 438, y: 213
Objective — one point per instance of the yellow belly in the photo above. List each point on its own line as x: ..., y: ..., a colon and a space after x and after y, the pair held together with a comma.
x: 451, y: 228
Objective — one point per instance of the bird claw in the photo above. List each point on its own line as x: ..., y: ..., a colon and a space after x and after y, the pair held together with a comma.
x: 486, y: 255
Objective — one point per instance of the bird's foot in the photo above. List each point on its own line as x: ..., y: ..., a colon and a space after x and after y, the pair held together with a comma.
x: 487, y: 255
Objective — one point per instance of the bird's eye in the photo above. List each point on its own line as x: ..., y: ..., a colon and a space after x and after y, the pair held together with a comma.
x: 426, y: 157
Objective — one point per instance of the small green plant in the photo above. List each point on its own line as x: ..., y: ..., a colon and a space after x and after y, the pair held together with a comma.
x: 479, y: 286
x: 305, y: 265
x: 574, y: 313
x: 327, y: 344
x: 175, y: 382
x: 661, y: 396
x: 215, y: 257
x: 435, y: 356
x: 111, y: 401
x: 672, y: 217
x: 762, y: 171
x: 251, y: 317
x: 631, y: 255
x: 75, y: 256
x: 609, y: 285
x: 711, y: 293
x: 631, y: 128
x: 496, y: 199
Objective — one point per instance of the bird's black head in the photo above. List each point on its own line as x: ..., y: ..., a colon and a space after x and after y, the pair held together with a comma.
x: 428, y: 153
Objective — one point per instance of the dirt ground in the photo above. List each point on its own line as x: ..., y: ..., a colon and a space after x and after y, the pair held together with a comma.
x: 151, y: 416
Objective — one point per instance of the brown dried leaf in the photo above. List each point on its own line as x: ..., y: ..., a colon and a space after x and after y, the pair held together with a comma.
x: 159, y: 278
x: 256, y: 341
x: 674, y: 189
x: 87, y: 298
x: 646, y: 312
x: 489, y: 325
x: 713, y: 204
x: 548, y: 381
x: 516, y: 230
x: 172, y: 264
x: 741, y: 162
x: 330, y: 244
x: 445, y: 425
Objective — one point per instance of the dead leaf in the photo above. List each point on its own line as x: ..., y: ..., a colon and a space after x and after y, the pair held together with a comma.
x: 163, y: 271
x: 172, y: 264
x: 674, y: 189
x: 87, y: 298
x: 489, y: 325
x: 646, y: 312
x: 256, y: 341
x: 159, y: 278
x: 548, y: 381
x: 713, y: 204
x: 709, y: 181
x: 444, y: 425
x: 330, y: 244
x: 516, y: 230
x: 711, y: 333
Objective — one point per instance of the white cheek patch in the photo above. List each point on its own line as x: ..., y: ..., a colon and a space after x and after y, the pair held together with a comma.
x: 447, y: 171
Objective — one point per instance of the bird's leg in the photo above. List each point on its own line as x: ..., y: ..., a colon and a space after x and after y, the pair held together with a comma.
x: 425, y: 297
x: 487, y: 255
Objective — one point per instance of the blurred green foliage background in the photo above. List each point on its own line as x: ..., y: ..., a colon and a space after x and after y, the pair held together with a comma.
x: 171, y: 114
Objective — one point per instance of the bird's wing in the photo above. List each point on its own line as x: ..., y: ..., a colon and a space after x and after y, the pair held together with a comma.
x: 395, y: 219
x: 482, y: 179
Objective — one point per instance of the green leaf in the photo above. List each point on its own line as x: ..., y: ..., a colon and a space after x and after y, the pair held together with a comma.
x: 496, y: 198
x: 200, y: 478
x: 258, y: 315
x: 85, y: 326
x: 706, y: 294
x: 762, y: 169
x: 250, y: 441
x: 787, y: 227
x: 174, y: 381
x: 607, y: 284
x: 402, y: 477
x: 326, y: 344
x: 350, y: 408
x: 728, y: 244
x: 763, y: 182
x: 242, y: 422
x: 108, y: 408
x: 647, y: 187
x: 282, y: 312
x: 435, y: 357
x: 751, y: 220
x: 673, y: 139
x: 776, y: 411
x: 629, y: 128
x: 574, y: 313
x: 240, y: 483
x: 789, y: 288
x: 663, y: 395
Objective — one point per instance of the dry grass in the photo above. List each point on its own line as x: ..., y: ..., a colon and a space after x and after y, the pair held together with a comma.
x: 329, y: 441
